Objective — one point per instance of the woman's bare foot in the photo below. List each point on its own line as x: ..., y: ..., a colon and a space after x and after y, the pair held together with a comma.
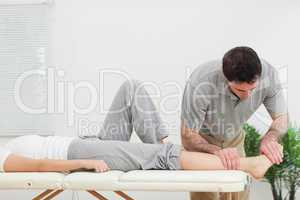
x: 258, y: 166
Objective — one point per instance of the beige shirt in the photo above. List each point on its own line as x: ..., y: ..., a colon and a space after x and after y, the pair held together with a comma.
x: 209, y: 106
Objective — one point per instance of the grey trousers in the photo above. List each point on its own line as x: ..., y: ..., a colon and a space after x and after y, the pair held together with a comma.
x: 132, y: 108
x: 127, y: 156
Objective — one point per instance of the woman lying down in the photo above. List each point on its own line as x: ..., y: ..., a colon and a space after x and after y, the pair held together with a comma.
x: 111, y: 149
x: 56, y: 154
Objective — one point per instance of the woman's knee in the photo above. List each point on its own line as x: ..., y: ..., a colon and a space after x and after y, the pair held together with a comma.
x: 132, y: 84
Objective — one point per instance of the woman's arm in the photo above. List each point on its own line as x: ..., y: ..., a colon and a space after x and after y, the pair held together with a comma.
x: 16, y: 163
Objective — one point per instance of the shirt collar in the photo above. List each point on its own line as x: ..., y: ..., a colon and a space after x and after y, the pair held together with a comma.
x: 223, y: 86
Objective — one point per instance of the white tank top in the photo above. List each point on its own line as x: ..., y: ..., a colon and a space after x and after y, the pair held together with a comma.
x: 39, y: 147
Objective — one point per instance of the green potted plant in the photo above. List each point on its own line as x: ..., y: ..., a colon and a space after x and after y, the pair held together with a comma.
x: 287, y: 174
x: 291, y: 164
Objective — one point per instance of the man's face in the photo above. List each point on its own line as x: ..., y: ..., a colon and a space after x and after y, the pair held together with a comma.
x: 243, y: 90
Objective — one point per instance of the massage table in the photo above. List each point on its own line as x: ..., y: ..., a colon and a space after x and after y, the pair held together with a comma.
x: 118, y: 181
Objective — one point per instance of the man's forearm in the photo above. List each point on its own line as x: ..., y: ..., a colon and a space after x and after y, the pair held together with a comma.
x: 278, y: 127
x: 272, y: 134
x: 196, y: 143
x: 207, y: 148
x: 192, y: 141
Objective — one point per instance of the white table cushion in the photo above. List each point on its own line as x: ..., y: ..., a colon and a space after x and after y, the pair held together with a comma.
x: 140, y: 180
x: 183, y: 176
x: 34, y: 180
x: 161, y: 180
x: 92, y: 181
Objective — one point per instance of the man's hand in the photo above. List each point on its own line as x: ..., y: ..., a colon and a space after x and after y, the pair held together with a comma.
x: 229, y: 157
x: 272, y: 149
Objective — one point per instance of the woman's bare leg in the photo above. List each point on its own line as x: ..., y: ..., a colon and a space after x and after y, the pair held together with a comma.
x: 256, y: 166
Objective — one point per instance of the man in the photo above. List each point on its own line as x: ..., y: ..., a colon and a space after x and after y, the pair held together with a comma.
x: 219, y: 97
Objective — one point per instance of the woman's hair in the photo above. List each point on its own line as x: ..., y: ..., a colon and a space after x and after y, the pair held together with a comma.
x: 242, y: 64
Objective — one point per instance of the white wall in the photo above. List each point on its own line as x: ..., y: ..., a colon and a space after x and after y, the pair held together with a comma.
x: 162, y: 41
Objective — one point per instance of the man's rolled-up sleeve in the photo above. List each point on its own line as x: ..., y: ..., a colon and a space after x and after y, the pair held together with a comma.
x: 275, y: 101
x: 194, y: 106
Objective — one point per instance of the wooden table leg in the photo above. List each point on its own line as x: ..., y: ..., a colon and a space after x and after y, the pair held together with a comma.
x: 225, y: 195
x: 97, y: 195
x: 122, y: 194
x: 236, y: 196
x: 42, y: 195
x: 53, y: 194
